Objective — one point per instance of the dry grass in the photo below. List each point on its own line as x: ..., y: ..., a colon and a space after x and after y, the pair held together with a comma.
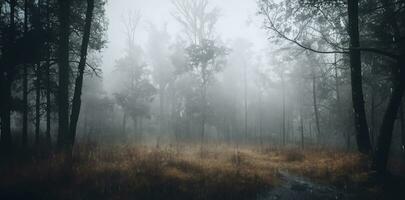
x: 220, y: 172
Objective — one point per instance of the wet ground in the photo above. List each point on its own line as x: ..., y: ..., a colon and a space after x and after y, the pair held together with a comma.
x: 299, y: 188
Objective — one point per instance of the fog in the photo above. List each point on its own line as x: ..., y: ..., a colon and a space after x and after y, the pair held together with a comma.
x: 202, y: 99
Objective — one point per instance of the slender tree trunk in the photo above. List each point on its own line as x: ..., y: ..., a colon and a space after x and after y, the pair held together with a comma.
x: 402, y: 126
x: 6, y: 81
x: 316, y: 112
x: 64, y: 70
x: 37, y: 104
x: 260, y: 121
x: 302, y: 129
x: 48, y: 84
x: 124, y: 123
x: 245, y: 101
x: 74, y: 117
x: 161, y: 104
x: 372, y: 118
x: 204, y: 101
x: 283, y: 96
x: 360, y: 120
x: 25, y: 86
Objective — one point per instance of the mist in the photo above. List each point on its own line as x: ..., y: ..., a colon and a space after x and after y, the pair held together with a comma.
x: 202, y: 99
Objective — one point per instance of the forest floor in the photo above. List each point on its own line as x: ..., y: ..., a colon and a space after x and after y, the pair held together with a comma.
x: 186, y: 172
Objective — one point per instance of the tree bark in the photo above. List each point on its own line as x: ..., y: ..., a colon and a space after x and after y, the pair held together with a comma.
x: 63, y: 63
x: 37, y: 104
x: 74, y: 117
x: 362, y: 136
x: 48, y: 84
x: 6, y: 77
x: 402, y: 127
x: 25, y: 86
x: 387, y: 126
x: 386, y: 130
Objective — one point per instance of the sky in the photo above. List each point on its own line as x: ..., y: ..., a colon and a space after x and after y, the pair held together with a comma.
x: 238, y: 19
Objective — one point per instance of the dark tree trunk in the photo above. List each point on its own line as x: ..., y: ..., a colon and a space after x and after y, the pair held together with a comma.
x: 48, y: 84
x: 25, y: 86
x: 79, y: 79
x: 63, y: 63
x: 362, y: 135
x: 37, y: 104
x: 6, y: 81
x: 391, y: 113
x: 387, y: 126
x: 401, y: 115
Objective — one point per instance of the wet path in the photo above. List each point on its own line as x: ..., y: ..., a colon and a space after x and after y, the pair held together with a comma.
x: 299, y: 188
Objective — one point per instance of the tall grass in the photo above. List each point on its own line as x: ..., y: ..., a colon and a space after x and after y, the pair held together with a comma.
x: 175, y: 172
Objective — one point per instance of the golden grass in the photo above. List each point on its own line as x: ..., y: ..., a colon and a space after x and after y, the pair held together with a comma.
x: 219, y: 172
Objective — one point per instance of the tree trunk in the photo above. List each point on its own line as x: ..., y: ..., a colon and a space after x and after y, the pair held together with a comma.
x: 74, y: 117
x: 25, y: 86
x: 161, y: 104
x: 387, y: 126
x: 302, y: 129
x: 245, y: 101
x: 6, y: 81
x: 48, y: 84
x: 124, y: 123
x: 283, y: 97
x: 402, y: 126
x: 316, y: 112
x: 37, y: 104
x: 362, y: 136
x: 63, y: 63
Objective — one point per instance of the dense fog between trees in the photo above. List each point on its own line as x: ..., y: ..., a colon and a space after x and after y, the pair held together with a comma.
x: 265, y: 74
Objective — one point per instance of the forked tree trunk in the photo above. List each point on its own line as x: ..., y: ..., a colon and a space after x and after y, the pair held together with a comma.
x: 387, y: 126
x: 386, y: 130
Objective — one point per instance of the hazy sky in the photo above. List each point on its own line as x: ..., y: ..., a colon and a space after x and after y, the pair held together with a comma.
x: 238, y: 19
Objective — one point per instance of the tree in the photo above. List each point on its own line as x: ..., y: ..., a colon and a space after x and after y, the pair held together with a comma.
x: 362, y: 136
x: 74, y: 117
x: 163, y: 70
x: 135, y: 90
x: 64, y: 70
x: 311, y: 14
x: 205, y: 55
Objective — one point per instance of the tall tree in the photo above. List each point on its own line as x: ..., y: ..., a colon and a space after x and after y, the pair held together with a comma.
x: 362, y: 136
x: 64, y: 15
x: 74, y: 117
x: 7, y: 76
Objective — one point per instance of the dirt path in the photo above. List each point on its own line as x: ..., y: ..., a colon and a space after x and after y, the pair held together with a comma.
x: 299, y: 188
